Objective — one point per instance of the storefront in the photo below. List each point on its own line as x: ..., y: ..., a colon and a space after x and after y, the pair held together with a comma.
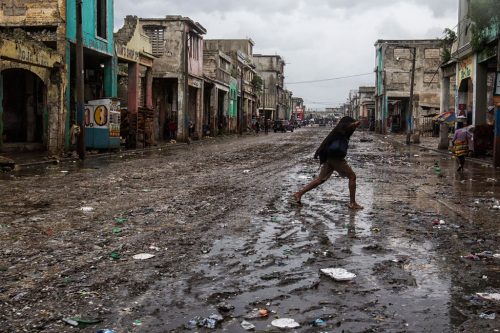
x: 32, y: 86
x: 140, y: 122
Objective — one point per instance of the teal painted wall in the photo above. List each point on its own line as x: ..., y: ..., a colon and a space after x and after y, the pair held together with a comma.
x: 233, y: 98
x: 90, y: 39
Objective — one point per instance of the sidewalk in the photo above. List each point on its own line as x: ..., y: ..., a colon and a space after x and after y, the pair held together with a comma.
x: 25, y: 159
x: 431, y: 143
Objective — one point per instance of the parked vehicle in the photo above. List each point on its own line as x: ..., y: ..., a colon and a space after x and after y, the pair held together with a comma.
x: 282, y: 126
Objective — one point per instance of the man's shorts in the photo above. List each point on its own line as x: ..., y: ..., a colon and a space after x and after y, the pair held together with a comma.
x: 331, y: 165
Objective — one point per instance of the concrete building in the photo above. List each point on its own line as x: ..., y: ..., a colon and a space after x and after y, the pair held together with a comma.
x: 367, y: 107
x: 271, y: 68
x: 298, y: 108
x: 243, y: 70
x: 468, y: 81
x: 140, y: 122
x: 177, y: 42
x: 33, y: 76
x: 393, y: 80
x: 219, y: 115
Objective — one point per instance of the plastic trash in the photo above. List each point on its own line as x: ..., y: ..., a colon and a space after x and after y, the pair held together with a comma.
x: 210, y: 322
x: 495, y: 297
x: 115, y: 255
x: 318, y: 323
x: 285, y: 323
x: 338, y: 274
x: 121, y: 220
x: 105, y: 331
x: 70, y: 322
x: 257, y: 313
x: 438, y: 222
x: 489, y: 315
x: 87, y: 209
x: 117, y: 230
x: 143, y: 256
x: 137, y: 322
x: 247, y: 326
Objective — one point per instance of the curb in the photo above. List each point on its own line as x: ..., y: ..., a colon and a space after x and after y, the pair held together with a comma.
x: 442, y: 152
x: 125, y: 152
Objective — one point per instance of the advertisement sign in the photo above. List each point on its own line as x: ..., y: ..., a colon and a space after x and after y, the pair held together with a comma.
x: 465, y: 69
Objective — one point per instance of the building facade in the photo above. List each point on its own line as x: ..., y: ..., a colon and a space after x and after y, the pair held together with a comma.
x: 140, y: 123
x: 243, y: 70
x: 33, y: 76
x: 394, y: 71
x: 217, y: 68
x: 468, y: 81
x: 271, y: 68
x: 177, y: 43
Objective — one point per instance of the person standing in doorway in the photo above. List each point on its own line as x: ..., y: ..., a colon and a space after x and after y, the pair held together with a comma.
x: 332, y: 153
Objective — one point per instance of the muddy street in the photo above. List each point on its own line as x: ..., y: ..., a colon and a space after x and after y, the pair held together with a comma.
x: 224, y: 241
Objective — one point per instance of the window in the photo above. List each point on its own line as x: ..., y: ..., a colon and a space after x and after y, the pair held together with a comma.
x: 101, y: 19
x: 157, y: 37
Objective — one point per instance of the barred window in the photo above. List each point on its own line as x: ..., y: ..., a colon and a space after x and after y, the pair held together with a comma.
x: 157, y: 37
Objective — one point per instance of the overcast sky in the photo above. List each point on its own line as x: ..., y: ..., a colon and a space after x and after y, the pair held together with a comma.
x: 319, y: 39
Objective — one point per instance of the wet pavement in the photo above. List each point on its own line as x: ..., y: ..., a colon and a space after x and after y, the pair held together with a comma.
x: 226, y: 240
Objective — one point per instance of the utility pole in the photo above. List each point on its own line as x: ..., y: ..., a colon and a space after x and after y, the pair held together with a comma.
x: 412, y: 83
x: 496, y: 149
x: 80, y: 83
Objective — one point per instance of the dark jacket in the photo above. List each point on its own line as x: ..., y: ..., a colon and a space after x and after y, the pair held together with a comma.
x: 343, y: 131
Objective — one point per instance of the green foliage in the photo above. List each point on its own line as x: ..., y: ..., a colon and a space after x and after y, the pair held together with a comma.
x: 257, y: 82
x: 448, y: 40
x: 485, y: 15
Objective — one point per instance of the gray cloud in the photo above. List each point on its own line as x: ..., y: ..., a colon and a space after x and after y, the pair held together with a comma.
x: 318, y: 39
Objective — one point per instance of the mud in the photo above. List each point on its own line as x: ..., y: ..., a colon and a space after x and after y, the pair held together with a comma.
x: 226, y: 240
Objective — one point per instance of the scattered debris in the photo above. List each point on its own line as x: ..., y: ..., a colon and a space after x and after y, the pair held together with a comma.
x: 210, y: 322
x: 489, y: 315
x: 225, y: 307
x: 137, y: 322
x: 338, y: 274
x: 257, y: 313
x: 105, y: 331
x: 247, y: 326
x: 115, y: 255
x: 318, y: 323
x: 143, y: 256
x: 285, y: 323
x: 495, y: 297
x: 87, y: 209
x: 438, y: 222
x: 121, y: 220
x: 70, y: 322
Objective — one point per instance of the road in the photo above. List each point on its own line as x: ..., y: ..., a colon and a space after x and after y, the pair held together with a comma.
x: 226, y: 241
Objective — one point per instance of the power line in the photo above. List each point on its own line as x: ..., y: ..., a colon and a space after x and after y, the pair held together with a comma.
x: 331, y: 79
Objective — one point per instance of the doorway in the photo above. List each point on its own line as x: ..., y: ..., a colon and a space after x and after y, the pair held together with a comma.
x: 24, y: 101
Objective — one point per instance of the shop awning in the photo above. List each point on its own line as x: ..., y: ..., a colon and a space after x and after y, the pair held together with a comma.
x: 447, y: 117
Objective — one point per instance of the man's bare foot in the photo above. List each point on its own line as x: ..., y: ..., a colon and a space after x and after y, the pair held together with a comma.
x: 296, y: 198
x: 355, y: 206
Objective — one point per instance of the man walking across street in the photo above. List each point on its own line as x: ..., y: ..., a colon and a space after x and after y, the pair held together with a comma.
x: 332, y: 153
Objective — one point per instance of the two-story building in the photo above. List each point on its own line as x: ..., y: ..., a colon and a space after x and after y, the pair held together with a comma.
x: 135, y: 85
x: 32, y: 75
x: 394, y: 71
x: 271, y: 68
x: 243, y: 71
x: 367, y: 107
x: 217, y: 68
x: 468, y: 81
x: 177, y: 42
